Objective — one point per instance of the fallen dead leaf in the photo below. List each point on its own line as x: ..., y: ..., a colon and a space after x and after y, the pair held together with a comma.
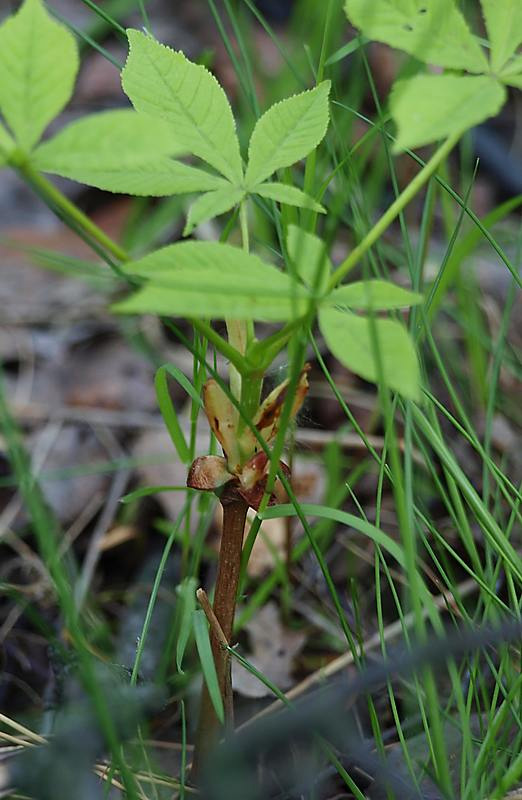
x: 273, y: 650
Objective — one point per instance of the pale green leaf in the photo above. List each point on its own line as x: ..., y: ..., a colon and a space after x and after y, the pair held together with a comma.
x: 349, y: 338
x: 38, y: 66
x: 375, y: 294
x: 513, y: 67
x: 287, y: 132
x: 165, y: 84
x: 288, y: 194
x: 207, y: 662
x: 504, y: 26
x: 108, y: 135
x: 209, y: 279
x: 433, y: 31
x: 514, y: 80
x: 159, y: 177
x: 430, y: 107
x: 308, y: 253
x: 122, y: 151
x: 212, y: 204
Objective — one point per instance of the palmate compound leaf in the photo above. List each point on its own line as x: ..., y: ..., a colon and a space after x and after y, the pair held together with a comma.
x: 165, y: 84
x: 308, y: 253
x: 504, y: 26
x: 287, y: 132
x: 349, y: 338
x: 373, y: 294
x: 430, y: 107
x: 213, y: 280
x: 433, y: 31
x: 38, y: 66
x: 122, y: 151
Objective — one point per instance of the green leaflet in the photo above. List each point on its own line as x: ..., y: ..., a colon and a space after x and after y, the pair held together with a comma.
x: 512, y: 68
x: 287, y: 194
x: 513, y: 80
x: 349, y: 337
x: 38, y: 64
x: 122, y: 151
x: 433, y: 31
x: 504, y: 26
x: 209, y: 295
x: 430, y: 107
x: 106, y: 138
x: 212, y: 204
x: 308, y: 253
x: 165, y: 84
x: 374, y: 294
x: 287, y: 132
x: 159, y: 177
x: 213, y: 280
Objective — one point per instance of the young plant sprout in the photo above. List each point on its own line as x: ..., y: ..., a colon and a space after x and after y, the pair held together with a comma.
x: 179, y: 112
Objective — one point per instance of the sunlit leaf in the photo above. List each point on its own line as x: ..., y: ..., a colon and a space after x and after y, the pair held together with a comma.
x: 38, y: 66
x: 504, y: 26
x: 288, y: 194
x: 212, y: 204
x: 164, y: 83
x: 349, y: 338
x: 287, y: 132
x: 308, y: 253
x: 430, y: 107
x: 431, y: 30
x: 514, y: 80
x: 512, y: 70
x: 374, y: 294
x: 122, y: 151
x: 209, y: 279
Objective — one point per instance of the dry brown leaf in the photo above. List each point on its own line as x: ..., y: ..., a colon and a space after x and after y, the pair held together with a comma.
x: 273, y: 650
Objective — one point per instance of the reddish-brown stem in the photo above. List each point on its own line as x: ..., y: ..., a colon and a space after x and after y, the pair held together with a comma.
x: 234, y: 516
